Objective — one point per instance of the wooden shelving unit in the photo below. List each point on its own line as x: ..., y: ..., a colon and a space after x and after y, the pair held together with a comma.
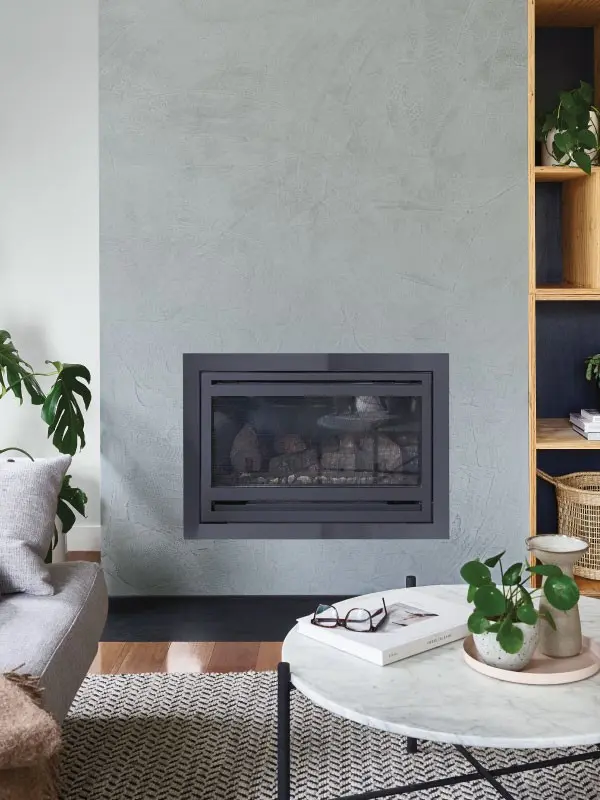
x: 580, y: 241
x: 559, y: 174
x: 566, y: 13
x: 564, y: 291
x: 589, y: 588
x: 557, y: 434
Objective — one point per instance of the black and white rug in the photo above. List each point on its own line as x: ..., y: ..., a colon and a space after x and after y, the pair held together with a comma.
x: 213, y: 737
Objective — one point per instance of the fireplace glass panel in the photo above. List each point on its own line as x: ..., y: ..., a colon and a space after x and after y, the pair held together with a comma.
x: 312, y: 441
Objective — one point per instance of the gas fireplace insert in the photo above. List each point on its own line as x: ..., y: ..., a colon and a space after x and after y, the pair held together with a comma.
x: 316, y: 446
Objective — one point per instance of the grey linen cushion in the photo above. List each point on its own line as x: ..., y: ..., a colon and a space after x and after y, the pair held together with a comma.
x: 28, y: 498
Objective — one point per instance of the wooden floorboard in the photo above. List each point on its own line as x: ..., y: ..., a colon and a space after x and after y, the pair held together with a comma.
x: 234, y: 656
x: 161, y: 657
x: 269, y: 656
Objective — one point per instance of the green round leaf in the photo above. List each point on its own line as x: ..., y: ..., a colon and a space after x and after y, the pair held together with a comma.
x: 582, y: 160
x: 477, y: 623
x: 490, y: 601
x: 471, y: 593
x: 587, y: 138
x: 561, y: 592
x: 564, y: 142
x: 510, y: 637
x: 491, y: 562
x: 549, y: 570
x: 567, y: 99
x: 475, y: 573
x: 526, y: 613
x: 558, y: 153
x: 512, y: 576
x: 586, y: 92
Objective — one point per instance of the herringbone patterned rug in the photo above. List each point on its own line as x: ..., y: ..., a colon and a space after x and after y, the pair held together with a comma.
x: 213, y: 737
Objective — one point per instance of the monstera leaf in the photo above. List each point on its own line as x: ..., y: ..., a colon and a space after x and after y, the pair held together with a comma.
x: 70, y: 496
x: 16, y: 373
x: 61, y: 410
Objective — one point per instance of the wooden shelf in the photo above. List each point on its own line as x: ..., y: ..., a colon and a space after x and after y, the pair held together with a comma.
x: 587, y: 587
x: 560, y: 174
x: 557, y: 434
x: 567, y: 13
x: 565, y: 291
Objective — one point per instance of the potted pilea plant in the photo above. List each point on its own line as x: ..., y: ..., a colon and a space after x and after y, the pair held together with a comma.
x: 61, y: 411
x: 570, y: 133
x: 505, y: 621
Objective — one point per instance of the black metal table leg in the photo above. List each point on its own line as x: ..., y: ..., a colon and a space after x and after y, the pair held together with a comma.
x: 486, y: 774
x: 412, y: 745
x: 283, y: 731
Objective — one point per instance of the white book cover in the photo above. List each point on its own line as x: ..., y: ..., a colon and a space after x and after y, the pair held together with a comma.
x: 591, y: 414
x: 584, y: 424
x: 591, y: 437
x: 416, y: 622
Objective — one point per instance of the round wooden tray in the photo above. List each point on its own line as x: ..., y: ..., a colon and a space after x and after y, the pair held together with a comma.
x: 541, y: 670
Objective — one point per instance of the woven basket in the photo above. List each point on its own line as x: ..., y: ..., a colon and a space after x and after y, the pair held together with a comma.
x: 578, y: 501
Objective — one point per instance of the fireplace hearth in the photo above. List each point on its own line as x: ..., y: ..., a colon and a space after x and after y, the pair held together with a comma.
x: 316, y: 446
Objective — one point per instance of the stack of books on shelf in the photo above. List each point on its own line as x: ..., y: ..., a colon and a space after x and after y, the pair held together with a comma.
x: 587, y: 424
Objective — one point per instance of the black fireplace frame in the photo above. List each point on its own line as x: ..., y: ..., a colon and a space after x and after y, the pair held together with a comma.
x: 207, y: 371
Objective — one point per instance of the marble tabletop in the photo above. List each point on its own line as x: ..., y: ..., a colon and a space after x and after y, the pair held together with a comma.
x: 436, y: 696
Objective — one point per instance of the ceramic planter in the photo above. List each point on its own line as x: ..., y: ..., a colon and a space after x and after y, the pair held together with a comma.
x: 563, y: 551
x: 548, y: 159
x: 491, y: 653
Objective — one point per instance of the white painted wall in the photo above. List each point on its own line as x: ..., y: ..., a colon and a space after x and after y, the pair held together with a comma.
x: 49, y: 211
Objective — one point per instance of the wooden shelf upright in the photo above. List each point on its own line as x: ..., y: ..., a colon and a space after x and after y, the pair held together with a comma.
x: 580, y: 199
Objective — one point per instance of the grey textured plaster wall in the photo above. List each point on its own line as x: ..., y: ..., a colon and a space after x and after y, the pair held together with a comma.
x: 310, y: 176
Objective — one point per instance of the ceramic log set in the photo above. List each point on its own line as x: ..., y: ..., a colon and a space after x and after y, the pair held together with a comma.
x: 562, y: 640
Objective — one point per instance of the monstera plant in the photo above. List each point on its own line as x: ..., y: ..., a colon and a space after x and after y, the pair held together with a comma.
x: 61, y: 410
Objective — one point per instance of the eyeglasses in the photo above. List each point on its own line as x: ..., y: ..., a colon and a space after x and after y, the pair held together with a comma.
x: 357, y: 619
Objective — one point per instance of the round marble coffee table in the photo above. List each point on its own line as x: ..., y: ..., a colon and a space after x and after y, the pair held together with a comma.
x: 436, y: 696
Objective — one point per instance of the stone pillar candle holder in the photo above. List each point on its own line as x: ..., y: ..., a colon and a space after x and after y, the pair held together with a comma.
x: 563, y: 551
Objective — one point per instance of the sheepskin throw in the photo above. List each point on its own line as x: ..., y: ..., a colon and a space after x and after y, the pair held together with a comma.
x: 29, y: 741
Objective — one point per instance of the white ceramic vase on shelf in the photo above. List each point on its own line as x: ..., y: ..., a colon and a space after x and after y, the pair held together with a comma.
x: 491, y: 653
x: 563, y: 551
x: 548, y: 159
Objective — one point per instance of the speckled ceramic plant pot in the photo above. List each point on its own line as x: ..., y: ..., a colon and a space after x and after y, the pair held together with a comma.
x: 491, y: 653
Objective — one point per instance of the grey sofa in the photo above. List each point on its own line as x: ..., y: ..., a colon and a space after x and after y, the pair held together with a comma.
x: 55, y: 637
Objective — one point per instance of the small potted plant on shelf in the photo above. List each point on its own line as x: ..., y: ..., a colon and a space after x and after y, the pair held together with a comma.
x: 592, y: 369
x: 505, y: 622
x: 61, y: 411
x: 570, y: 133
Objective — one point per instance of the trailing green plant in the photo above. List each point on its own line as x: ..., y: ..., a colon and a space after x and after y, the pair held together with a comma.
x: 61, y: 410
x: 592, y: 369
x: 498, y: 608
x: 571, y: 120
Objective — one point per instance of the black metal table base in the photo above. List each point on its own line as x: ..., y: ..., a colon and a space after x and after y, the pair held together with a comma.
x: 285, y: 688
